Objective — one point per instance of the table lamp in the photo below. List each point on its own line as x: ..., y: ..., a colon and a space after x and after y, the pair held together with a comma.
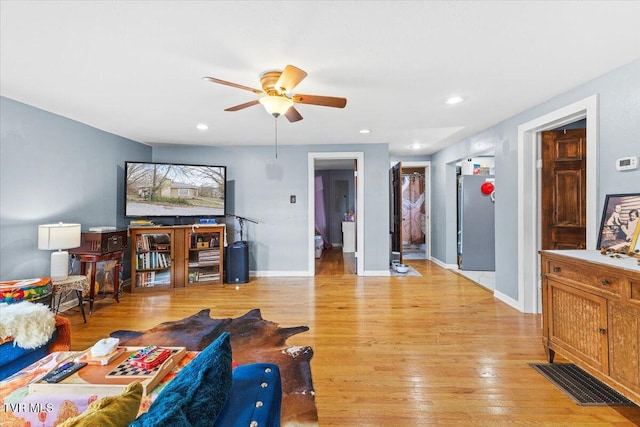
x: 59, y: 237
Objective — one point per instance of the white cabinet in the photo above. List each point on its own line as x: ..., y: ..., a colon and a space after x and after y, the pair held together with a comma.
x: 348, y: 236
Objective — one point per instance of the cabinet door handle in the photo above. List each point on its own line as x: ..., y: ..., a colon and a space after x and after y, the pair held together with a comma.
x: 556, y: 269
x: 605, y: 282
x: 602, y: 331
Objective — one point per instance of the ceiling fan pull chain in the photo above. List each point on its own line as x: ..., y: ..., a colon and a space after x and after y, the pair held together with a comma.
x: 275, y: 119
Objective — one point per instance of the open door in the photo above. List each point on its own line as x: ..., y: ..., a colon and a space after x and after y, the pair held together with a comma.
x: 396, y: 211
x: 563, y: 189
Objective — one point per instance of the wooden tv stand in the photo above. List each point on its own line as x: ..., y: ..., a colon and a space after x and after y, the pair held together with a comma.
x: 591, y: 315
x: 181, y: 256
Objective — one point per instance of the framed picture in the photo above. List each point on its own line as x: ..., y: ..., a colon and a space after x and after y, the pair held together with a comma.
x: 634, y: 249
x: 619, y: 220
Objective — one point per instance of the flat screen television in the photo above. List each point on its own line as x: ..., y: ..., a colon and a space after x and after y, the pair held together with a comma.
x: 174, y: 190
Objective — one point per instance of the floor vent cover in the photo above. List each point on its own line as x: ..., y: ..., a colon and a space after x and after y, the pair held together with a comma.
x: 580, y: 386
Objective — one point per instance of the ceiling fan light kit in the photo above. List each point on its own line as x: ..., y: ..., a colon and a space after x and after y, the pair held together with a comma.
x: 276, y: 93
x: 276, y: 105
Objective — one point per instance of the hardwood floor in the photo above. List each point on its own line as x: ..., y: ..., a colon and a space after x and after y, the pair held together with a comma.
x: 388, y: 351
x: 334, y: 262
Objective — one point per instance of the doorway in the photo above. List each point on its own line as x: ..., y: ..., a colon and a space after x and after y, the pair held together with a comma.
x: 476, y: 228
x: 529, y: 224
x: 351, y: 199
x: 562, y: 187
x: 410, y: 211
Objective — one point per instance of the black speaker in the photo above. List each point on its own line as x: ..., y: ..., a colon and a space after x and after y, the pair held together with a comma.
x: 237, y: 263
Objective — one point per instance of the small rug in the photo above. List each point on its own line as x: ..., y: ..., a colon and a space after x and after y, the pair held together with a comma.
x: 253, y: 340
x: 580, y: 386
x: 412, y: 272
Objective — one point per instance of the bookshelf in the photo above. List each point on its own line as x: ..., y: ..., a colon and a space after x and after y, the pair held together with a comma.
x: 204, y: 261
x: 165, y: 257
x: 151, y: 258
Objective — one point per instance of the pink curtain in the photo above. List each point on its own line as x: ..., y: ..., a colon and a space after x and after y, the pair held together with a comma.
x: 320, y: 214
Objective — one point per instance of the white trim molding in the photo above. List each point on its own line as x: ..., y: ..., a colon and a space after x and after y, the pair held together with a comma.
x: 529, y: 193
x: 358, y: 156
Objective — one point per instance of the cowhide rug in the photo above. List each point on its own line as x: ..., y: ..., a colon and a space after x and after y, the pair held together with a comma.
x: 253, y: 340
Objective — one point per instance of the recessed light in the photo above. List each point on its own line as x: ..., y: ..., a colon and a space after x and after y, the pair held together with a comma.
x: 365, y: 131
x: 454, y: 100
x: 415, y: 146
x: 202, y: 126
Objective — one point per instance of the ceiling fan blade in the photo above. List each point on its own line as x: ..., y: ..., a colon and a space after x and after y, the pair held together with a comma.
x: 236, y: 85
x: 241, y: 106
x: 325, y: 101
x: 290, y: 78
x: 293, y: 115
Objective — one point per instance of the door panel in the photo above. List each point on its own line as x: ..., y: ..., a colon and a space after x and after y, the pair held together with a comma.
x: 396, y: 209
x: 563, y: 187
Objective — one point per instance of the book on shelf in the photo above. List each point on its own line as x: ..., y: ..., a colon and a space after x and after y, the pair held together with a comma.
x: 141, y: 223
x: 153, y: 278
x: 102, y: 229
x: 148, y: 260
x: 201, y: 276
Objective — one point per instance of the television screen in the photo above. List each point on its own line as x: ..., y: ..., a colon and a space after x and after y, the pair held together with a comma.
x: 169, y: 189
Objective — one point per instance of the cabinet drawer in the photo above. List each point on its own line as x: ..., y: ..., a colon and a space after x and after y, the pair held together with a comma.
x: 590, y: 276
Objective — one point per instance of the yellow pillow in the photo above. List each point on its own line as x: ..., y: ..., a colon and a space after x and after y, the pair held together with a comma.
x: 110, y: 411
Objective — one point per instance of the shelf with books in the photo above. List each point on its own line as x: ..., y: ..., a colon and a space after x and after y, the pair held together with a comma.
x: 151, y: 261
x: 204, y: 260
x: 168, y: 257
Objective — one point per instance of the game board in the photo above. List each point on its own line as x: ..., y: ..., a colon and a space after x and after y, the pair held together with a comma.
x: 126, y: 370
x: 97, y: 378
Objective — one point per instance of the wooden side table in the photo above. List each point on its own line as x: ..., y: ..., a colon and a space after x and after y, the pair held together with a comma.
x: 93, y: 258
x: 75, y: 283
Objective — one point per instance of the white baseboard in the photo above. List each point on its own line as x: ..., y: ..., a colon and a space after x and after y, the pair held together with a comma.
x: 444, y: 265
x: 377, y: 273
x: 272, y: 273
x: 508, y: 300
x: 68, y: 304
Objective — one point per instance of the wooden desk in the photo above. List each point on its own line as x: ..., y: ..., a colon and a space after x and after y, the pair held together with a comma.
x: 95, y: 247
x: 92, y: 258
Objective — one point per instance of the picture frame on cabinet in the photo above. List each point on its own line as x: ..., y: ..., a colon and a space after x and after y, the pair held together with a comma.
x: 634, y: 248
x: 619, y: 222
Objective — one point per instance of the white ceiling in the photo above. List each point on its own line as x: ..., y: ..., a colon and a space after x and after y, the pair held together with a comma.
x: 135, y: 68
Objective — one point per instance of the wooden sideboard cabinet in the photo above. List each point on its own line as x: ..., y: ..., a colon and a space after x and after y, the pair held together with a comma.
x: 591, y: 315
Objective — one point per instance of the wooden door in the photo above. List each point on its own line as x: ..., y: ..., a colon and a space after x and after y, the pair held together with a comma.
x: 396, y: 209
x: 564, y: 189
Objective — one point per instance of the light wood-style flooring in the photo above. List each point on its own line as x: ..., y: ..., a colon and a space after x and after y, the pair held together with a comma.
x: 388, y: 351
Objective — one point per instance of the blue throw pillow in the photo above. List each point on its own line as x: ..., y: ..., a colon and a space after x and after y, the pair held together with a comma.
x: 198, y: 393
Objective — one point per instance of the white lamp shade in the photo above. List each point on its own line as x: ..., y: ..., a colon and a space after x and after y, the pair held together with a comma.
x: 276, y: 105
x: 58, y: 236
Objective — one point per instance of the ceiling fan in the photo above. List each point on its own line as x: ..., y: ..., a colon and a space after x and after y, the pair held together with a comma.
x: 276, y: 96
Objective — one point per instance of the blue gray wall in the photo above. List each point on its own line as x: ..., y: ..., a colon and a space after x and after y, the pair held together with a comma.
x: 54, y: 169
x: 619, y: 136
x: 262, y: 185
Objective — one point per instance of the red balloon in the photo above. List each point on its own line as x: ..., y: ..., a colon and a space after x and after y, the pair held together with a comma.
x: 487, y: 188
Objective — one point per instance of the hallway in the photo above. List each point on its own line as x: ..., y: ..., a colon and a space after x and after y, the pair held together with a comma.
x: 333, y: 262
